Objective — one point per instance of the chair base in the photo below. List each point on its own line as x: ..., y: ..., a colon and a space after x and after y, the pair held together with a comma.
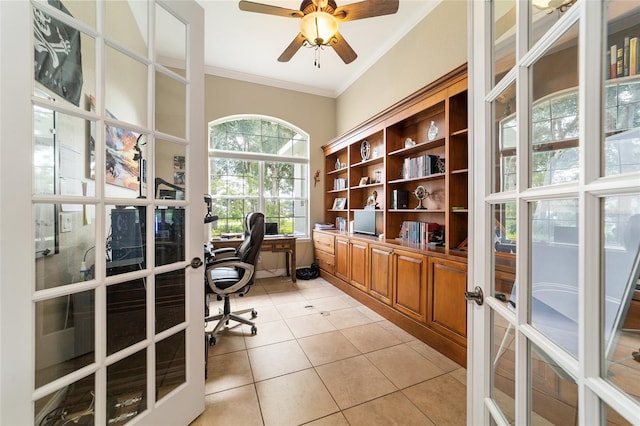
x: 225, y: 316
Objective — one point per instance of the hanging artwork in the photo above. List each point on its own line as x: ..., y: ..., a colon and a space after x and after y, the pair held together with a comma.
x: 122, y: 169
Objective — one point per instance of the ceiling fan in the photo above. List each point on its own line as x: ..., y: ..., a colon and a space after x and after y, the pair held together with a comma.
x: 319, y: 23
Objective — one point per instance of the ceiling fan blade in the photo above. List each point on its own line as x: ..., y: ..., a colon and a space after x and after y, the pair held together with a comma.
x: 343, y: 49
x: 249, y: 6
x: 366, y: 9
x: 292, y: 48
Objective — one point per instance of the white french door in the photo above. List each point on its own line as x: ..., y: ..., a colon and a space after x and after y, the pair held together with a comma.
x: 556, y: 229
x: 101, y: 180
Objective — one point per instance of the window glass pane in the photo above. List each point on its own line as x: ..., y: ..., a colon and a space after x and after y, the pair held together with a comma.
x: 621, y: 144
x: 554, y: 114
x: 554, y: 271
x: 126, y: 387
x: 543, y: 14
x: 504, y: 37
x: 169, y: 230
x: 126, y: 23
x: 65, y: 243
x: 170, y: 109
x: 503, y: 355
x: 171, y: 41
x: 621, y: 255
x: 505, y: 141
x: 170, y: 170
x: 170, y: 299
x: 126, y: 87
x: 82, y: 10
x: 171, y: 370
x: 504, y: 254
x: 65, y: 323
x: 612, y: 417
x: 78, y: 397
x: 126, y: 314
x: 553, y: 393
x: 125, y: 237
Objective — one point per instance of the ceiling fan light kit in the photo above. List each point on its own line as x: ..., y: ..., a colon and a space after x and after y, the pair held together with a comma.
x: 319, y: 23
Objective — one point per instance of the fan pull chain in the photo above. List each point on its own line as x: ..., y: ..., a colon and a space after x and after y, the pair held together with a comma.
x: 316, y: 62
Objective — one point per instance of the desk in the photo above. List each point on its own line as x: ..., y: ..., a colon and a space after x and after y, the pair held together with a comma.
x: 273, y: 244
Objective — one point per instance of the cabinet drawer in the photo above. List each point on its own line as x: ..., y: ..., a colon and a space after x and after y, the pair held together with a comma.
x: 323, y: 242
x: 325, y: 261
x: 267, y: 246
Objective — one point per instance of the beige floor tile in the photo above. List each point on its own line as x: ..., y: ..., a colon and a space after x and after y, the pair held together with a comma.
x: 433, y: 355
x: 266, y: 313
x: 354, y: 380
x: 295, y: 309
x: 402, y: 335
x: 228, y: 371
x: 336, y: 419
x: 309, y: 325
x: 319, y: 292
x: 393, y: 409
x: 228, y: 340
x: 256, y: 302
x: 374, y: 316
x: 277, y: 359
x: 294, y: 399
x: 442, y: 399
x: 331, y: 303
x: 403, y: 366
x: 237, y: 406
x: 350, y: 317
x: 279, y: 285
x: 351, y: 301
x: 268, y: 333
x: 284, y: 297
x: 327, y: 347
x: 460, y: 374
x: 370, y: 337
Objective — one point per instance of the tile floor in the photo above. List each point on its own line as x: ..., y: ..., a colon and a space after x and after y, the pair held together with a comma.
x: 322, y: 358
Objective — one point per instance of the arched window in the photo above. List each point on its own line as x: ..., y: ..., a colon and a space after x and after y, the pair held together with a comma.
x: 259, y: 163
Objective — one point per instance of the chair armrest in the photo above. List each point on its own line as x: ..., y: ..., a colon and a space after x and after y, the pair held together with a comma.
x: 224, y: 252
x: 228, y: 263
x: 219, y: 262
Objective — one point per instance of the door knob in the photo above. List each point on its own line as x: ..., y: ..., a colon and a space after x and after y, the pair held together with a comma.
x: 196, y: 262
x: 476, y: 295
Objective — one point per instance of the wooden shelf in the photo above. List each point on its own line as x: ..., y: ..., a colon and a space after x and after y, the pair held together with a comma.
x: 418, y: 147
x: 368, y: 162
x: 369, y: 185
x: 433, y: 176
x: 333, y: 191
x: 462, y: 132
x: 415, y: 211
x: 342, y: 170
x: 459, y: 171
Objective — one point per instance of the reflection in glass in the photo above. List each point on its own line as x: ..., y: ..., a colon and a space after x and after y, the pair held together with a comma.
x: 125, y: 158
x: 171, y: 41
x: 503, y: 385
x: 125, y: 237
x: 126, y: 314
x: 126, y: 388
x: 70, y: 237
x: 554, y: 271
x: 125, y: 78
x: 554, y: 394
x: 554, y: 114
x: 170, y: 169
x: 170, y: 299
x: 505, y: 141
x: 126, y: 24
x: 621, y: 253
x: 612, y: 417
x: 171, y: 99
x: 169, y: 229
x: 82, y: 10
x: 621, y: 140
x: 74, y: 403
x: 504, y: 254
x: 171, y: 370
x: 64, y: 336
x: 544, y: 14
x: 504, y: 37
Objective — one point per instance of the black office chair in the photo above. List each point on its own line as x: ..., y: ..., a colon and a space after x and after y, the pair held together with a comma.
x: 234, y: 274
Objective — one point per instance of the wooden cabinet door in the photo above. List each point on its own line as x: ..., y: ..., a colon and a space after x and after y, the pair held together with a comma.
x: 380, y: 279
x: 447, y: 310
x: 410, y: 284
x: 359, y: 262
x: 342, y: 258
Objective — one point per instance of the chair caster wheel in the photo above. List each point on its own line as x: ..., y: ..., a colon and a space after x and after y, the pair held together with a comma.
x: 254, y: 314
x: 254, y: 329
x: 212, y: 341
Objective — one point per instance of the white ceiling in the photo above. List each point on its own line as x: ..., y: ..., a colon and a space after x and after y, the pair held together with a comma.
x: 246, y: 45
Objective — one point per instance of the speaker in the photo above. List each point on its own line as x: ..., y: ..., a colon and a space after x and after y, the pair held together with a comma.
x: 399, y: 199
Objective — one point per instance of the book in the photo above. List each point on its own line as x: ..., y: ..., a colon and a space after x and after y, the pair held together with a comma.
x: 613, y: 55
x: 625, y: 57
x: 619, y: 62
x: 634, y: 56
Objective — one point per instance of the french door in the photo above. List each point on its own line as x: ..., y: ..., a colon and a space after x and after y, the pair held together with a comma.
x: 102, y: 176
x: 556, y: 229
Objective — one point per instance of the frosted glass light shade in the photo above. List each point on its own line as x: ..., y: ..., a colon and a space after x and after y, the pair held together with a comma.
x: 318, y: 27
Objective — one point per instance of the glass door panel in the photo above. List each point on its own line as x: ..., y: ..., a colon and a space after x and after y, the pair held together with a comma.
x: 171, y: 43
x: 505, y: 140
x: 503, y: 389
x: 504, y: 37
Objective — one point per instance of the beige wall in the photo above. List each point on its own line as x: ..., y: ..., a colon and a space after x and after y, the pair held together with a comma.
x: 314, y: 114
x: 434, y: 47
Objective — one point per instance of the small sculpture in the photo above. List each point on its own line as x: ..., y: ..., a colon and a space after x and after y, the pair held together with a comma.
x: 421, y: 193
x: 372, y: 200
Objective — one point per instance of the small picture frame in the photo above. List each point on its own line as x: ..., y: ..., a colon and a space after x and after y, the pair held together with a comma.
x: 339, y: 204
x: 178, y: 162
x: 364, y: 180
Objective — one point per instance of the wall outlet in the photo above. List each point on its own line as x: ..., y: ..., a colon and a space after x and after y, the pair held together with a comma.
x: 66, y: 224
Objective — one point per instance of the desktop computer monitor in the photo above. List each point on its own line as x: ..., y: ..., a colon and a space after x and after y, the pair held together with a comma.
x: 126, y: 237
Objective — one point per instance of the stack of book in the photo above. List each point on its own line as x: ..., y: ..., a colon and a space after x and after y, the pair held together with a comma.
x: 423, y: 165
x: 418, y: 232
x: 321, y: 226
x: 624, y: 59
